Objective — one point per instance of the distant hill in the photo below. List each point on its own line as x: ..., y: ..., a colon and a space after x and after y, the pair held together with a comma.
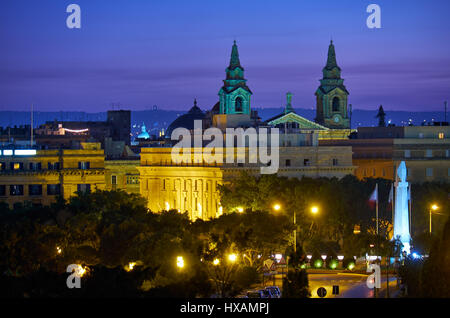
x: 155, y: 120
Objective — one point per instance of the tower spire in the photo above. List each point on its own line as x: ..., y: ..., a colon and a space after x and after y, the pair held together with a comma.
x: 234, y: 60
x: 331, y: 60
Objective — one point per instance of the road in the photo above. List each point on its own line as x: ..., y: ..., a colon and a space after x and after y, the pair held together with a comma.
x: 351, y: 285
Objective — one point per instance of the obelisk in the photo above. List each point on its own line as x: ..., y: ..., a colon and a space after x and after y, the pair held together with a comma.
x: 401, y: 211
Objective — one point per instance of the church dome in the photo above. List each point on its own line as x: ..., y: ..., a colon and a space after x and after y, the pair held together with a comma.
x: 186, y: 120
x: 144, y: 134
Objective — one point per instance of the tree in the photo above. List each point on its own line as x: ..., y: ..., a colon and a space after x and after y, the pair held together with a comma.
x: 381, y: 117
x: 295, y: 283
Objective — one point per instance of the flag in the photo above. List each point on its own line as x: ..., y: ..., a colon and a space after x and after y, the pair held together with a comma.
x: 391, y: 197
x: 374, y: 197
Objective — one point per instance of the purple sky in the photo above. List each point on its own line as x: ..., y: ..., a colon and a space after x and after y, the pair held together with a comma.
x: 141, y: 53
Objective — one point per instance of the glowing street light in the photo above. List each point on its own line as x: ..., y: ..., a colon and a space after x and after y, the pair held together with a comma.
x: 130, y: 266
x: 216, y: 262
x: 434, y: 207
x: 232, y: 257
x: 240, y: 209
x: 180, y: 262
x: 314, y: 209
x: 277, y: 207
x: 58, y: 250
x: 80, y: 271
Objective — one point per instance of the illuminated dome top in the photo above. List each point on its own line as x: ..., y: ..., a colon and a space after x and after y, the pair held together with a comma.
x: 186, y: 120
x: 144, y: 134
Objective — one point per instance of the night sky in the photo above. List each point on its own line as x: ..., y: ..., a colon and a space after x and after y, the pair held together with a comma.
x: 141, y: 53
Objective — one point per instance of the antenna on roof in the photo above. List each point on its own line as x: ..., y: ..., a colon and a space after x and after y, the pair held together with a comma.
x: 31, y: 128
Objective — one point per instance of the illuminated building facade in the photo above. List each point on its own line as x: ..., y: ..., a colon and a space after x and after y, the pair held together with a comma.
x: 39, y: 176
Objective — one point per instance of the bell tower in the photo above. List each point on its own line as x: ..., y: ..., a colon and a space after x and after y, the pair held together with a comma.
x: 332, y: 95
x: 235, y: 94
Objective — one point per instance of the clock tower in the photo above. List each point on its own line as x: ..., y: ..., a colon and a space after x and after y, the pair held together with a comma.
x: 332, y: 96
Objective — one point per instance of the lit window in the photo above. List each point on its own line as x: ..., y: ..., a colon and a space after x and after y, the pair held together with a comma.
x: 441, y: 135
x: 16, y: 165
x: 84, y: 165
x: 16, y: 190
x: 429, y: 153
x: 429, y: 172
x: 407, y: 153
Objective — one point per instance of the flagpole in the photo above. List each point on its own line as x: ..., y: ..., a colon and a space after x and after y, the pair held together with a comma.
x: 376, y: 189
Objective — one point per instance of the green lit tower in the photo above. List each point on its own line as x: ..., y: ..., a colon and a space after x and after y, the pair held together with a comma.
x: 332, y: 96
x: 235, y: 94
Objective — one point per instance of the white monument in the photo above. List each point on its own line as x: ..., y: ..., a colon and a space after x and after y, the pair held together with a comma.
x: 401, y: 211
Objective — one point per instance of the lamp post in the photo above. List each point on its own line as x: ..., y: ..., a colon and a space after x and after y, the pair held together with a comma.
x: 434, y: 207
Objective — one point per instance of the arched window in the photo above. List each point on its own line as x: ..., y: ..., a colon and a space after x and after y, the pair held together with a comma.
x: 336, y: 104
x: 238, y: 105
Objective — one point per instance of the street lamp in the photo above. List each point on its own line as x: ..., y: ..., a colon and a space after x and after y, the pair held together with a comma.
x: 314, y: 209
x: 216, y: 262
x: 277, y: 207
x: 232, y: 257
x: 434, y: 207
x: 240, y: 209
x: 180, y: 262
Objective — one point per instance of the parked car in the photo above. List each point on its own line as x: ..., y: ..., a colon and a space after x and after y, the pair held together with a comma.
x: 274, y: 291
x: 258, y: 293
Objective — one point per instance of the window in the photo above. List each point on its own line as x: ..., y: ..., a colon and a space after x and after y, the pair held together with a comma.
x: 441, y: 135
x: 238, y: 105
x: 447, y: 153
x: 16, y: 166
x: 35, y: 166
x: 288, y: 162
x: 429, y: 153
x: 365, y: 172
x: 407, y: 153
x: 84, y: 188
x: 429, y: 172
x: 2, y: 166
x: 84, y: 165
x: 3, y: 190
x: 53, y: 189
x: 53, y: 166
x: 164, y: 184
x: 35, y: 189
x: 132, y: 179
x: 421, y: 135
x: 374, y: 171
x: 16, y: 190
x: 306, y: 162
x: 335, y: 162
x: 114, y: 180
x: 336, y: 104
x: 384, y: 172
